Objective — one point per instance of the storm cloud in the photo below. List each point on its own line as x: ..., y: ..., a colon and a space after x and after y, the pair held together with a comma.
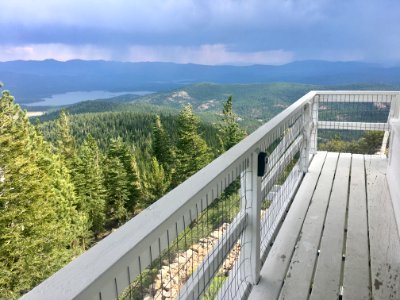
x: 202, y: 31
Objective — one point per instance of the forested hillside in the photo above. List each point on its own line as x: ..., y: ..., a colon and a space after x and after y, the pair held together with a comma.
x: 254, y: 103
x: 134, y: 128
x: 68, y: 182
x: 107, y: 105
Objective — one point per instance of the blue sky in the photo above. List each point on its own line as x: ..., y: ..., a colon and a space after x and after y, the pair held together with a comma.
x: 210, y: 32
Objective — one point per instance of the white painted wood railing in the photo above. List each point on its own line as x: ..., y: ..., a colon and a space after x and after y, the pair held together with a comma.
x: 107, y: 270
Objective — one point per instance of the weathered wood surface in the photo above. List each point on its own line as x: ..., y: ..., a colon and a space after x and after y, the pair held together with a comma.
x: 326, y: 283
x: 276, y: 265
x: 356, y: 282
x: 298, y: 278
x: 293, y: 269
x: 384, y: 241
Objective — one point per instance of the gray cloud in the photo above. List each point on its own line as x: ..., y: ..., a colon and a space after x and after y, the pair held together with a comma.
x: 235, y: 29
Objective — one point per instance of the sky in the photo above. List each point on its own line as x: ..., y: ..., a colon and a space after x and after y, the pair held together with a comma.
x: 212, y: 32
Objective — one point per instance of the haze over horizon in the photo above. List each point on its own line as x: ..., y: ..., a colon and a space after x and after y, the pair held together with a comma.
x: 210, y: 32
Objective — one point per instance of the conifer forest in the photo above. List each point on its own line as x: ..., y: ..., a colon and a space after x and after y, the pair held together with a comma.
x: 67, y: 183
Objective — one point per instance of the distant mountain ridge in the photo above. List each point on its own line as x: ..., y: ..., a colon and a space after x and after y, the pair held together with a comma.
x: 31, y: 81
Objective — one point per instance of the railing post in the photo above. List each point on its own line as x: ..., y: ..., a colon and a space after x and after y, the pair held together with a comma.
x: 394, y: 113
x: 314, y: 124
x: 393, y: 170
x: 305, y: 149
x: 250, y: 190
x: 396, y: 107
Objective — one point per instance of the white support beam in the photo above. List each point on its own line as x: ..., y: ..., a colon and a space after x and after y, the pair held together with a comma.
x: 352, y: 125
x: 314, y: 125
x: 368, y: 96
x: 393, y: 173
x: 251, y: 203
x: 307, y: 128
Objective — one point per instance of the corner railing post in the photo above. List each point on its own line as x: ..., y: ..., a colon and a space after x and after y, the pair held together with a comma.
x: 305, y: 149
x: 396, y: 107
x: 314, y: 125
x: 250, y: 202
x: 393, y: 170
x: 394, y: 114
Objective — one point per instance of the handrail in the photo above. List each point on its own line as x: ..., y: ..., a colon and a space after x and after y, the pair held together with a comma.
x: 356, y: 92
x: 109, y: 267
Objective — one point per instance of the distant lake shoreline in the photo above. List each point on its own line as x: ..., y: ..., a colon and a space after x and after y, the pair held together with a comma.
x: 75, y: 97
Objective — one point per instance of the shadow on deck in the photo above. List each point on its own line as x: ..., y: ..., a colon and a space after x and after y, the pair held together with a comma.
x: 339, y: 238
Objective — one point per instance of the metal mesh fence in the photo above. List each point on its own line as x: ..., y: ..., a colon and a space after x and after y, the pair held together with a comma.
x: 282, y: 175
x: 194, y: 247
x: 226, y: 283
x: 353, y: 123
x: 207, y: 260
x: 275, y: 205
x: 281, y: 179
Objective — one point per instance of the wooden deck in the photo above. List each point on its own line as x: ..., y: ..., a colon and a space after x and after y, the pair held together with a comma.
x: 339, y: 238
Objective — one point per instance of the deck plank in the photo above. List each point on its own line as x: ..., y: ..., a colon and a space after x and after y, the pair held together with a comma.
x: 384, y: 238
x: 326, y: 284
x: 356, y: 281
x: 276, y: 265
x: 372, y: 236
x: 298, y: 279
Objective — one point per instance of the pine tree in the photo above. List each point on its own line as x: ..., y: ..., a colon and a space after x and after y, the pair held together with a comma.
x: 230, y: 134
x: 117, y: 183
x: 40, y: 229
x: 118, y: 149
x: 155, y: 182
x: 65, y: 145
x: 192, y: 151
x: 89, y: 184
x: 65, y: 141
x: 162, y: 146
x: 230, y: 131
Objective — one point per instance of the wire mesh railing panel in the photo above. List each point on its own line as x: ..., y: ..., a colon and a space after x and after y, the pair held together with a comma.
x: 233, y: 286
x: 282, y: 174
x: 276, y: 204
x: 188, y: 252
x: 354, y: 123
x: 224, y: 273
x: 281, y: 179
x: 355, y: 108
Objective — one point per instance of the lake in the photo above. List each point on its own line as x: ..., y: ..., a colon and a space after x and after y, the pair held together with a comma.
x: 75, y: 97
